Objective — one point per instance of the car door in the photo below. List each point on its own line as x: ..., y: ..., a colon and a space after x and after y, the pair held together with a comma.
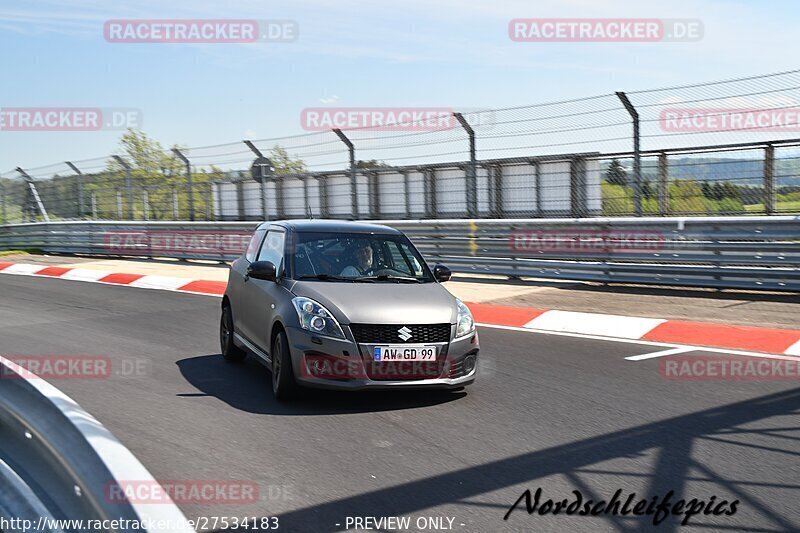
x: 237, y: 281
x: 261, y: 297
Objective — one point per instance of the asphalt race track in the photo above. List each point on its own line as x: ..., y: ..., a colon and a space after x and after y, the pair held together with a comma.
x: 553, y: 412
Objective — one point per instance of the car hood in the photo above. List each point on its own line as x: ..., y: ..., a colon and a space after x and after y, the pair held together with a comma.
x: 382, y: 303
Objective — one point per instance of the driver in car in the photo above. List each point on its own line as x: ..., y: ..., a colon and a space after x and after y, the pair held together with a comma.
x: 363, y: 260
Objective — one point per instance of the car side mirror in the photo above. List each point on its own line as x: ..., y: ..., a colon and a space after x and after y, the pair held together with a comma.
x: 262, y: 270
x: 441, y: 273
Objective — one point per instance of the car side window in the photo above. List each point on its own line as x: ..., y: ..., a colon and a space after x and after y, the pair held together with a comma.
x: 403, y: 259
x: 255, y: 243
x: 272, y: 249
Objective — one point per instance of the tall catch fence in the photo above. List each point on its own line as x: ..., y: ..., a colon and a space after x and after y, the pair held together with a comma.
x: 720, y: 148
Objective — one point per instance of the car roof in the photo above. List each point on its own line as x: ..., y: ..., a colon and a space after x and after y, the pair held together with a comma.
x: 333, y: 226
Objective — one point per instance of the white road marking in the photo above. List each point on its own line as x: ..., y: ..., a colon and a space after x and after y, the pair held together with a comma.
x: 626, y: 327
x: 159, y: 282
x: 84, y: 274
x: 661, y: 353
x: 94, y: 276
x: 710, y: 349
x: 794, y: 349
x: 23, y: 269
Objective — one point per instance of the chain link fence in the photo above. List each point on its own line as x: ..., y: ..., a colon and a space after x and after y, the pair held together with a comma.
x: 726, y: 147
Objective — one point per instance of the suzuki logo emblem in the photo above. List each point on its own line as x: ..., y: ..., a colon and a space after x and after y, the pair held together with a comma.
x: 404, y: 333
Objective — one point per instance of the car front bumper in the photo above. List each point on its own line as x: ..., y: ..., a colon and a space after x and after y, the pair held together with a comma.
x: 328, y: 363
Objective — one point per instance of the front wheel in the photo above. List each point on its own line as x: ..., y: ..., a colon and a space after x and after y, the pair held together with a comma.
x: 230, y: 351
x: 283, y: 384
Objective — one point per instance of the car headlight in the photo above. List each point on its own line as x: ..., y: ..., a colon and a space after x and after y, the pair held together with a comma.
x: 465, y: 324
x: 316, y: 319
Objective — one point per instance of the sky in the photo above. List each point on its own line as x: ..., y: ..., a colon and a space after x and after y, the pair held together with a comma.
x: 348, y: 53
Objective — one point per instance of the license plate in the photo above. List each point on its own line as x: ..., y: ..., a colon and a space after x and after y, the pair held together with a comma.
x: 405, y: 352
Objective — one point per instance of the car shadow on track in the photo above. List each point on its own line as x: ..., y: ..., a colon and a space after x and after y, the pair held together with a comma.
x: 246, y: 386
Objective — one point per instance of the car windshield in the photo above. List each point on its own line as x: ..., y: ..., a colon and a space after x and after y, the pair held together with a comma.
x: 357, y: 257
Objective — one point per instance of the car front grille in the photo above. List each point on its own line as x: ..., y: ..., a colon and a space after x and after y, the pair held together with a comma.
x: 391, y: 334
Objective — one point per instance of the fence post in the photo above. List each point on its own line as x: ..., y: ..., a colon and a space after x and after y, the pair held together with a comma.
x: 261, y: 162
x: 577, y: 187
x: 306, y: 201
x: 497, y: 188
x: 769, y: 179
x: 189, y: 186
x: 353, y: 183
x: 471, y: 174
x: 219, y: 210
x: 537, y: 185
x: 175, y: 205
x: 119, y: 205
x: 431, y: 193
x: 374, y: 194
x: 34, y: 201
x: 78, y: 173
x: 94, y: 205
x: 663, y: 184
x: 128, y: 186
x: 280, y: 201
x: 241, y: 211
x: 3, y: 201
x: 145, y: 204
x: 637, y: 159
x: 322, y: 187
x: 406, y: 192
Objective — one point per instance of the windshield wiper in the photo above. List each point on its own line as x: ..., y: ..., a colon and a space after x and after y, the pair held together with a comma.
x: 387, y: 277
x: 325, y: 277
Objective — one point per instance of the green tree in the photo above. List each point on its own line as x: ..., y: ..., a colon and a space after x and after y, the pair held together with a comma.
x: 372, y: 163
x: 617, y: 200
x: 704, y: 186
x: 283, y: 163
x: 718, y: 193
x: 731, y: 191
x: 648, y: 192
x: 153, y: 169
x: 615, y: 174
x: 145, y: 155
x: 731, y: 206
x: 686, y: 197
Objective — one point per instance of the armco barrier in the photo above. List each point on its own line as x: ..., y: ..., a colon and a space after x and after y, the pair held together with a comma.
x: 760, y: 253
x: 56, y: 460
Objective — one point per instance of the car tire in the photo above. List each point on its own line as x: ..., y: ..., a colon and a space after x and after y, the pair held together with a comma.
x: 230, y: 351
x: 284, y: 387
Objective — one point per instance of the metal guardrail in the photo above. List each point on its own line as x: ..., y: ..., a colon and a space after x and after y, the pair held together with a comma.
x: 761, y: 253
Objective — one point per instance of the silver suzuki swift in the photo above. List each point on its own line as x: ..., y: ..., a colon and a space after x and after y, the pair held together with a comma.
x: 345, y: 305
